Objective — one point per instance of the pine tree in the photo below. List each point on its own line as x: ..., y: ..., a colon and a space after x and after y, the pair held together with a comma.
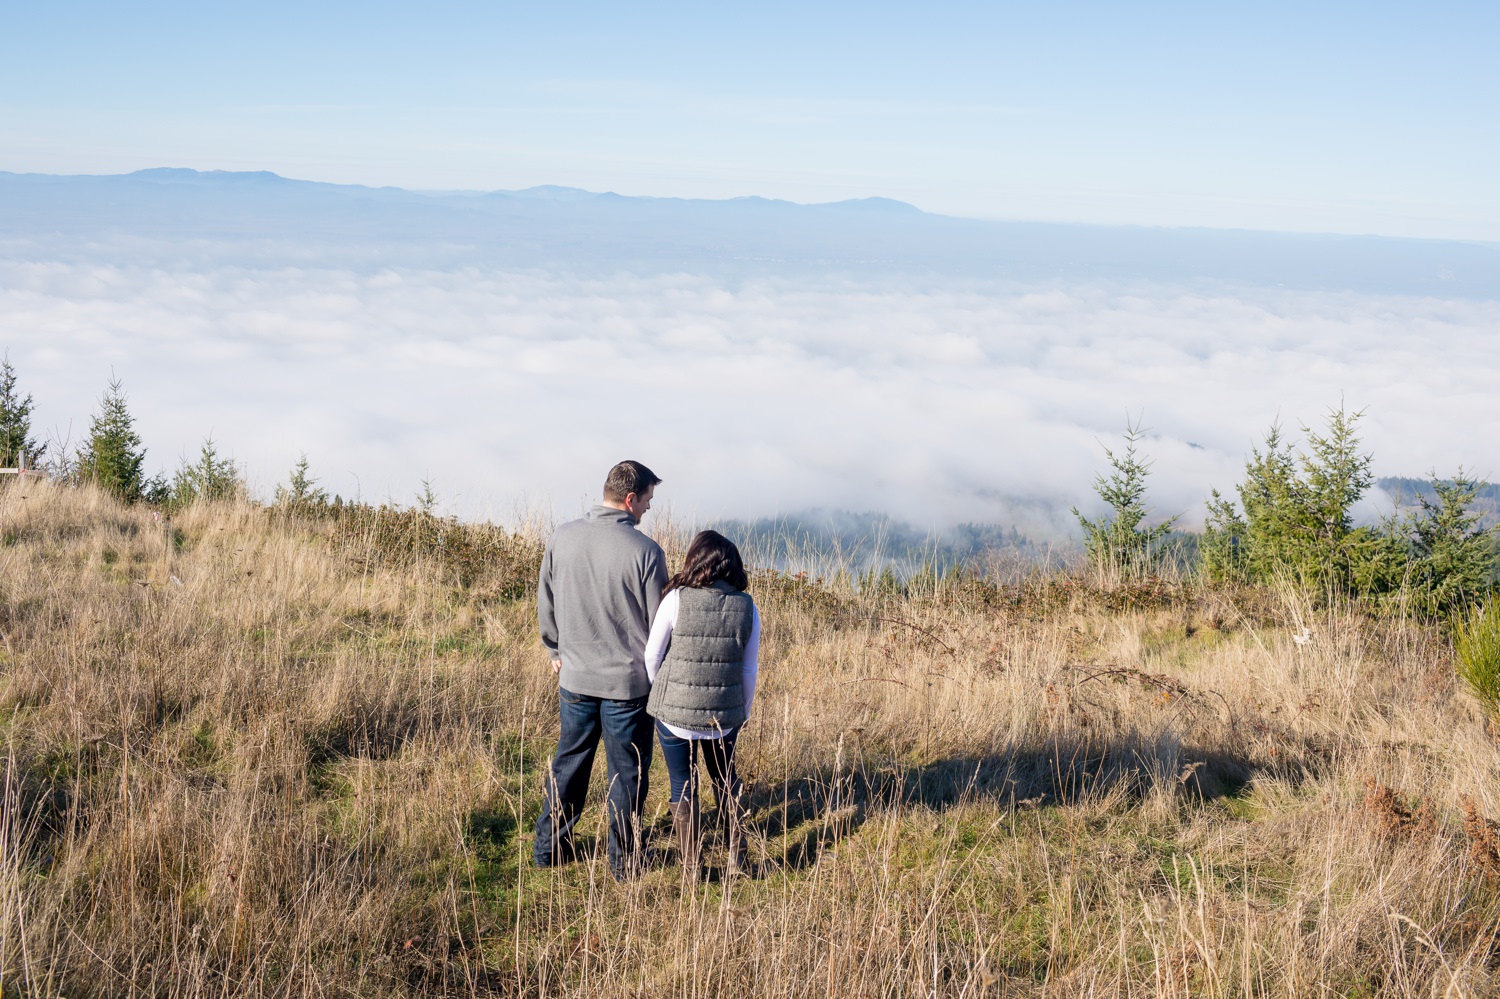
x: 1224, y: 548
x: 210, y: 477
x: 1452, y: 557
x: 302, y: 489
x: 17, y: 448
x: 112, y: 456
x: 1336, y: 475
x: 1119, y: 541
x: 1298, y: 519
x: 1271, y: 497
x: 1298, y: 524
x: 427, y: 499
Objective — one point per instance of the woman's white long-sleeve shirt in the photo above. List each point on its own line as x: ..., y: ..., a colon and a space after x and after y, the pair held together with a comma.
x: 661, y: 638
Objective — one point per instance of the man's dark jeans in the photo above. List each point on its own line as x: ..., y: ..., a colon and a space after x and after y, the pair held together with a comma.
x: 626, y: 729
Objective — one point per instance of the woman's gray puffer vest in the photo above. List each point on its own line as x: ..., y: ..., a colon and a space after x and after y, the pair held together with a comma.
x: 701, y: 681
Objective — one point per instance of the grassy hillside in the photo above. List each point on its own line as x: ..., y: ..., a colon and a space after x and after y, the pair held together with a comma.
x: 249, y: 753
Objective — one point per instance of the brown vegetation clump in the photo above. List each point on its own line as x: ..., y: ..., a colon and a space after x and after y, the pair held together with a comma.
x: 1484, y: 835
x: 272, y: 752
x: 1393, y: 817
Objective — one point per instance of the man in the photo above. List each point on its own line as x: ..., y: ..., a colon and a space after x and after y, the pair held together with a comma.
x: 600, y: 585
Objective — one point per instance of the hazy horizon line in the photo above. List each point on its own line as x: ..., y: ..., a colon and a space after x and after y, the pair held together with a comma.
x: 878, y: 199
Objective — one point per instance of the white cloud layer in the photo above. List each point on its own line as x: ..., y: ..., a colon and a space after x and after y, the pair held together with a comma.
x: 936, y: 401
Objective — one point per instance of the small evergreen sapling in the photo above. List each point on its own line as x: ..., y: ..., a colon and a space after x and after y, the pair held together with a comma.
x: 302, y: 489
x: 1336, y: 476
x: 1224, y: 548
x: 1452, y: 557
x: 1298, y: 523
x: 210, y: 477
x: 1119, y: 541
x: 17, y: 448
x: 427, y: 500
x: 1296, y: 516
x: 112, y: 456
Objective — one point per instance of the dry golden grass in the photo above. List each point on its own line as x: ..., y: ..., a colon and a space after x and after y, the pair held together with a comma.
x: 276, y: 756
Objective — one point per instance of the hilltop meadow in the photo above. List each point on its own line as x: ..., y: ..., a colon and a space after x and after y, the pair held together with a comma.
x: 289, y: 750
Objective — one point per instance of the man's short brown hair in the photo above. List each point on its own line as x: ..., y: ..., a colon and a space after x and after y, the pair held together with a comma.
x: 628, y: 477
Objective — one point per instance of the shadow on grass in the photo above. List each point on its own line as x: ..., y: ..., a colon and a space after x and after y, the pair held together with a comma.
x: 812, y: 812
x: 809, y: 812
x: 491, y: 832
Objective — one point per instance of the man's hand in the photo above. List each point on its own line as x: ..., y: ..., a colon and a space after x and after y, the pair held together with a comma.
x: 556, y: 666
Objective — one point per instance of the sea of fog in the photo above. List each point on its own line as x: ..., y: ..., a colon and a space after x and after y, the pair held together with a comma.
x: 936, y: 398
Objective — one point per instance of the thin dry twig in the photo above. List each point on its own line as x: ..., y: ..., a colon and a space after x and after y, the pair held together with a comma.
x: 926, y: 633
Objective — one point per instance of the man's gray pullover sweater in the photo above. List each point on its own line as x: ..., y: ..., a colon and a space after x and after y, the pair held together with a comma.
x: 600, y: 584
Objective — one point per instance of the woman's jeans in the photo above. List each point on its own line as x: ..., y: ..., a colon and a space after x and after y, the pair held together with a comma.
x: 682, y: 769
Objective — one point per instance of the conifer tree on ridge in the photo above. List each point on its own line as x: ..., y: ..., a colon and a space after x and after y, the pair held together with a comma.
x: 112, y: 456
x: 17, y: 447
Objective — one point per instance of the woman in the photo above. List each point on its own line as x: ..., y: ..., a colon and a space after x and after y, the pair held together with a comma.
x: 701, y: 658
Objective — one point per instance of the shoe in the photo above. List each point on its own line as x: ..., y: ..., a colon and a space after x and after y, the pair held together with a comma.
x: 686, y: 829
x: 732, y: 819
x: 565, y: 853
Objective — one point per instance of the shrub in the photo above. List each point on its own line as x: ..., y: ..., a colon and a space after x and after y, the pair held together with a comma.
x: 1476, y: 644
x: 468, y: 554
x: 17, y: 448
x: 1297, y: 523
x: 112, y: 456
x: 1300, y: 510
x: 301, y: 491
x: 1452, y: 557
x: 1298, y: 517
x: 1119, y: 542
x: 1223, y: 551
x: 210, y: 477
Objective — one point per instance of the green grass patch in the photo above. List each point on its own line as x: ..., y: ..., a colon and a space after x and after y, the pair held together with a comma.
x: 203, y: 750
x: 1179, y: 645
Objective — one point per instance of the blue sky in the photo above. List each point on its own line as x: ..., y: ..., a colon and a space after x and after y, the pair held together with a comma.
x: 1335, y: 117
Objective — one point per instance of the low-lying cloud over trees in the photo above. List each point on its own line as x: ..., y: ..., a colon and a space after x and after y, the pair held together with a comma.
x: 755, y: 387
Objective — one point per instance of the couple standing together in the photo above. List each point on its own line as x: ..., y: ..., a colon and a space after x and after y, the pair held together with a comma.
x: 637, y: 652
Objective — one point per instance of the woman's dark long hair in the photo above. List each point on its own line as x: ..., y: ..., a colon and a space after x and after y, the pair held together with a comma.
x: 710, y: 558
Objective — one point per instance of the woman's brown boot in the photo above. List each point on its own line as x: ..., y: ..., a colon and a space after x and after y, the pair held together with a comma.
x: 685, y: 827
x: 733, y: 819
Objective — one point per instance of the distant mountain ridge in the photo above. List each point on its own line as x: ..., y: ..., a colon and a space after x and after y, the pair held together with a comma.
x: 185, y: 177
x: 821, y: 538
x: 552, y: 226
